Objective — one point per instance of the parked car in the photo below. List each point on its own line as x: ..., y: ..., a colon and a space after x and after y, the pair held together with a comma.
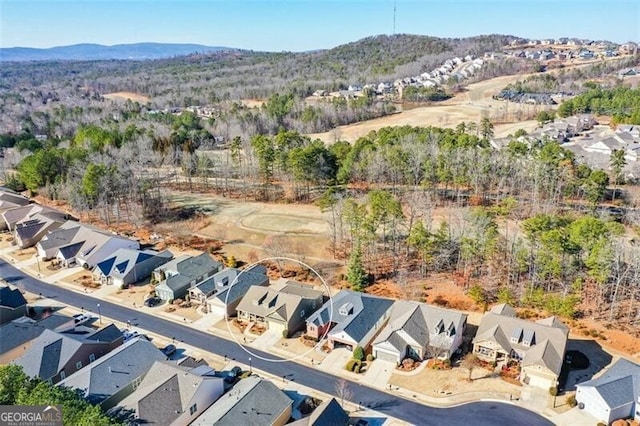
x: 129, y: 334
x: 153, y: 301
x: 169, y: 350
x: 82, y: 318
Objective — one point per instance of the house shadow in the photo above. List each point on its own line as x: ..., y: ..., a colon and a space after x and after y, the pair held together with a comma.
x: 572, y: 373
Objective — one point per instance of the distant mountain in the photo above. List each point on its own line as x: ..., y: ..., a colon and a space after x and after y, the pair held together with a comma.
x: 137, y: 51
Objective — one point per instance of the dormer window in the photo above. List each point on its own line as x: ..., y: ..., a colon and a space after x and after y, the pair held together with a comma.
x: 439, y: 328
x: 529, y: 337
x: 346, y: 309
x: 516, y: 335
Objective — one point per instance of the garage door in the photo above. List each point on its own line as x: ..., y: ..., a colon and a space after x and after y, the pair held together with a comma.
x: 276, y: 326
x: 386, y: 356
x: 540, y: 382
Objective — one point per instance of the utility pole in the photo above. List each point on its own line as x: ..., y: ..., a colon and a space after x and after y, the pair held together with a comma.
x: 394, y: 17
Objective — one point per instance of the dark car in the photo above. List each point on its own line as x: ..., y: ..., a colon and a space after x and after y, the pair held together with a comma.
x: 152, y: 301
x: 169, y: 350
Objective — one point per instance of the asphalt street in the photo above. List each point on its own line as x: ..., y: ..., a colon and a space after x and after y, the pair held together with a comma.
x: 478, y: 413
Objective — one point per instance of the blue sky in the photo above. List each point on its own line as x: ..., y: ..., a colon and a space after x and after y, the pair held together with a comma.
x: 297, y: 25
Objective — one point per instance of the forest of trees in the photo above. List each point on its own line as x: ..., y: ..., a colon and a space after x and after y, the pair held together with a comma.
x: 16, y: 388
x: 622, y: 103
x: 524, y: 223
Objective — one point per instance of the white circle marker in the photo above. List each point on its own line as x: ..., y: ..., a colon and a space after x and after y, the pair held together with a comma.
x: 320, y: 339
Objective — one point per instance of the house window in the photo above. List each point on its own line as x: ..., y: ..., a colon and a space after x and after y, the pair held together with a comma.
x: 92, y: 357
x: 78, y: 365
x: 62, y: 375
x: 302, y: 313
x: 193, y: 409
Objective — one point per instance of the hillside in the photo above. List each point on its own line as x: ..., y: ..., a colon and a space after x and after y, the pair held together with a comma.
x: 87, y: 51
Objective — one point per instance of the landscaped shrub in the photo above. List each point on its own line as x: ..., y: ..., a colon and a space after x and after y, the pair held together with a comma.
x: 357, y: 368
x: 370, y: 358
x: 170, y: 302
x: 285, y: 333
x: 358, y: 353
x: 351, y: 364
x: 553, y: 391
x: 571, y: 401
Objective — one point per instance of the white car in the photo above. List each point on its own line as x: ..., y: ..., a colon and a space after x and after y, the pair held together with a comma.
x: 129, y: 334
x: 82, y: 318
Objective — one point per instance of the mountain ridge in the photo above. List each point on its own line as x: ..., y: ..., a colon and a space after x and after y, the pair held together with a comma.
x: 94, y: 51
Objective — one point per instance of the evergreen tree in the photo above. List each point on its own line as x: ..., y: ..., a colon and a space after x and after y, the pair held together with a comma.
x: 356, y: 275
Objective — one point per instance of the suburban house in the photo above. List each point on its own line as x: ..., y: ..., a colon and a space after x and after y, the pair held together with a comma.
x: 86, y: 245
x: 53, y: 356
x: 28, y: 212
x: 17, y: 336
x: 110, y: 379
x: 419, y: 331
x: 252, y: 401
x: 614, y: 395
x: 171, y: 395
x: 329, y: 413
x: 129, y: 266
x: 284, y: 310
x: 27, y: 233
x: 350, y: 319
x: 13, y: 305
x: 10, y: 200
x: 538, y: 347
x: 222, y: 292
x: 175, y: 277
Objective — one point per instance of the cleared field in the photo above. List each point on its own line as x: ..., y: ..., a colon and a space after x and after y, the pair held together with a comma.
x: 126, y: 96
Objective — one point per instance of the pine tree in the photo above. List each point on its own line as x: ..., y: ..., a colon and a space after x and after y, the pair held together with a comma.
x: 356, y: 275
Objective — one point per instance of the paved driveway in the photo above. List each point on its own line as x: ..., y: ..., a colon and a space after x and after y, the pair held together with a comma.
x: 379, y: 373
x: 598, y: 360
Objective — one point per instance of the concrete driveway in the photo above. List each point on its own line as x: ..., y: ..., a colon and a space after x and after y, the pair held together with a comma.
x: 379, y: 373
x: 598, y: 360
x: 336, y: 361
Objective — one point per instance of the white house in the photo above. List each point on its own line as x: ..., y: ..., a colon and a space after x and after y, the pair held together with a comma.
x: 614, y: 395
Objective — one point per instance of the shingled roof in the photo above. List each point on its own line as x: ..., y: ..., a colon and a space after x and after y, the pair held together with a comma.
x: 252, y: 401
x: 619, y: 385
x: 542, y: 343
x: 353, y: 312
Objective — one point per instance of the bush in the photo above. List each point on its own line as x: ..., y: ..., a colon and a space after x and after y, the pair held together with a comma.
x: 351, y: 365
x: 571, y: 401
x: 170, y: 302
x: 370, y: 358
x: 553, y: 391
x: 593, y: 333
x: 285, y: 333
x: 358, y: 353
x: 357, y: 368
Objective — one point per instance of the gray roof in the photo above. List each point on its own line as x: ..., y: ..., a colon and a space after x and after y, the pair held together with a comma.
x: 167, y: 391
x: 362, y: 312
x: 418, y: 321
x: 11, y: 298
x: 233, y: 281
x: 619, y: 385
x: 106, y: 334
x: 14, y: 198
x: 48, y: 355
x: 548, y: 339
x: 27, y: 212
x: 185, y: 269
x: 251, y: 402
x: 329, y: 413
x: 18, y: 332
x: 282, y: 304
x: 107, y: 375
x: 123, y: 260
x: 504, y: 309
